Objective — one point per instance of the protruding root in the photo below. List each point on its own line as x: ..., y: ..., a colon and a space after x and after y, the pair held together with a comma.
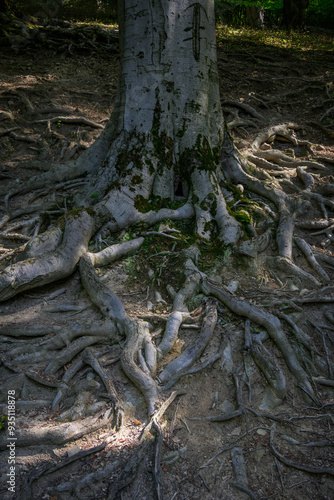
x: 115, y: 252
x: 178, y: 315
x: 269, y: 321
x: 71, y: 351
x: 136, y: 331
x: 239, y: 466
x: 175, y: 368
x: 50, y: 468
x: 287, y: 267
x: 92, y: 360
x: 92, y: 481
x: 307, y: 251
x: 54, y: 265
x: 129, y: 472
x: 136, y: 334
x: 296, y: 465
x: 251, y: 248
x: 61, y: 433
x: 157, y: 456
x: 211, y: 209
x: 276, y: 389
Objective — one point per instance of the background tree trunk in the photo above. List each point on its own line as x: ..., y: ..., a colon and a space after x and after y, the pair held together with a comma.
x: 294, y: 13
x: 255, y: 16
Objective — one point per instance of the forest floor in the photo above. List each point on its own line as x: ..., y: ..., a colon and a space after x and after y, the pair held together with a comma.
x: 290, y: 81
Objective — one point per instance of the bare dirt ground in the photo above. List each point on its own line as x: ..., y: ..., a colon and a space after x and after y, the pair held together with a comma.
x: 283, y: 85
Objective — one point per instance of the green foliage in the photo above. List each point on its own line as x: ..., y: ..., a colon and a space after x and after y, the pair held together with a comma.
x: 320, y: 13
x: 79, y: 10
x: 299, y: 41
x: 233, y: 12
x: 3, y: 422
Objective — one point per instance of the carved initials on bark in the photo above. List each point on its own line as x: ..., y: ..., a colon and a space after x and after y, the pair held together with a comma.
x: 196, y: 28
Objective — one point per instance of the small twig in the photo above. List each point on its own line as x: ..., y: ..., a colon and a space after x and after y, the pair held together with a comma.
x: 174, y: 419
x: 279, y: 473
x: 231, y: 445
x: 204, y: 482
x: 296, y: 465
x: 159, y: 413
x: 323, y: 381
x: 50, y: 468
x: 157, y: 233
x: 76, y: 119
x: 243, y: 488
x: 8, y: 131
x: 157, y: 456
x: 185, y: 424
x: 163, y: 253
x: 329, y: 365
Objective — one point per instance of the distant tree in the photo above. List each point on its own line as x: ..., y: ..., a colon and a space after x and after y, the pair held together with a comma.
x: 255, y: 16
x: 3, y: 6
x: 294, y: 13
x: 6, y: 6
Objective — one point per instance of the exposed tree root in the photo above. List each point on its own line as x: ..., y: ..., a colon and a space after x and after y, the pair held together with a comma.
x: 61, y: 433
x: 253, y: 206
x: 174, y: 369
x: 269, y: 321
x: 296, y: 465
x: 49, y: 469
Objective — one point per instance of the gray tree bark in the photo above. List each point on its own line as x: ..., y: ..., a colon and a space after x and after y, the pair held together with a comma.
x: 167, y: 127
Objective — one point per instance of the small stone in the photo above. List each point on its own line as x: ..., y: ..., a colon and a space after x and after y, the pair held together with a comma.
x: 236, y: 431
x: 73, y: 451
x: 163, y: 227
x: 226, y: 407
x: 149, y: 305
x: 293, y: 287
x: 226, y: 359
x: 261, y: 432
x: 258, y: 454
x: 158, y: 298
x: 233, y: 286
x: 150, y: 273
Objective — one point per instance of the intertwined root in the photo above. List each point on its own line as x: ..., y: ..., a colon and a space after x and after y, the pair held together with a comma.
x: 145, y: 361
x: 54, y: 255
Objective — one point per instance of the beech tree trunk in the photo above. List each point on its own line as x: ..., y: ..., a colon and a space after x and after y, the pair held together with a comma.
x: 167, y: 127
x: 163, y: 142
